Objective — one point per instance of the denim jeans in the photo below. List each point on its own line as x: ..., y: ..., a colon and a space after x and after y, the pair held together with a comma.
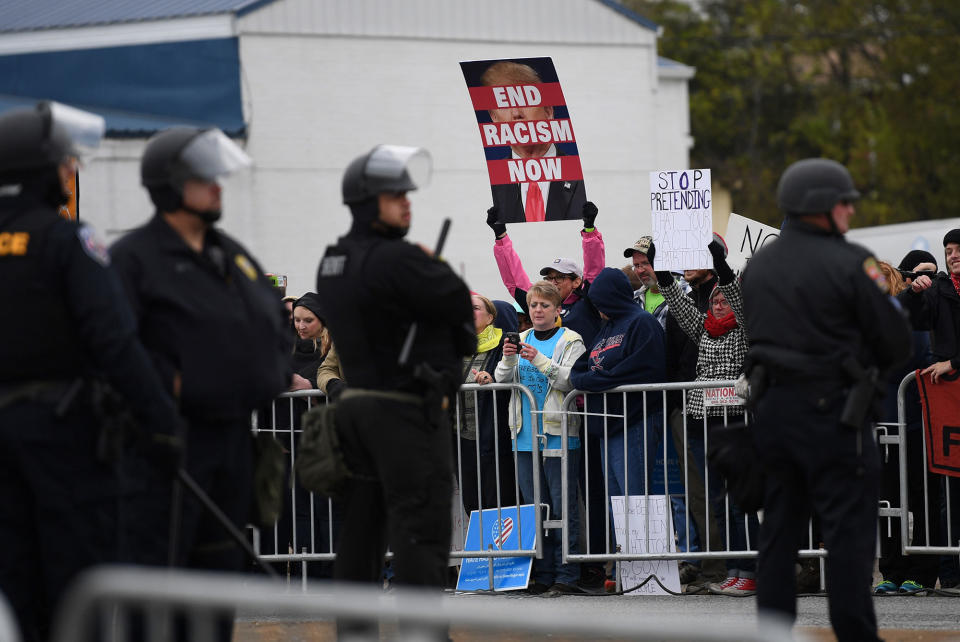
x: 550, y: 569
x: 629, y: 476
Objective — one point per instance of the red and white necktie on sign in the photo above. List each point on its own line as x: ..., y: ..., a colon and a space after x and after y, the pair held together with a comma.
x: 533, y: 210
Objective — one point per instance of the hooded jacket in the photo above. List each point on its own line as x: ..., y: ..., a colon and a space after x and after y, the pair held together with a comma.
x: 628, y: 349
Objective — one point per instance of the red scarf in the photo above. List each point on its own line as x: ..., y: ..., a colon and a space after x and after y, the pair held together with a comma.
x: 719, y: 327
x: 956, y: 282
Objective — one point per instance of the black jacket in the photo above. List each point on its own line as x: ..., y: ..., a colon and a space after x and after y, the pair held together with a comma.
x: 64, y: 315
x: 811, y: 298
x: 376, y: 287
x: 211, y: 317
x: 937, y: 309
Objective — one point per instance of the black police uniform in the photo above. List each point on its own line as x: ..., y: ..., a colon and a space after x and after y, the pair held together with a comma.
x: 398, y: 448
x: 64, y: 320
x: 811, y: 299
x: 212, y: 320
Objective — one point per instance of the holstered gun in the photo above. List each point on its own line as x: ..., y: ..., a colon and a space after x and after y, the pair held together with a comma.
x: 863, y: 393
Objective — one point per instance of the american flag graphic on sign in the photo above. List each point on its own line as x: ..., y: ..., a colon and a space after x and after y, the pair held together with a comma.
x: 501, y: 531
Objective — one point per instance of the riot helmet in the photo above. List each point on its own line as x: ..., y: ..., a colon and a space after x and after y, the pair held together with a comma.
x: 35, y: 141
x: 384, y: 169
x: 176, y: 155
x: 814, y: 186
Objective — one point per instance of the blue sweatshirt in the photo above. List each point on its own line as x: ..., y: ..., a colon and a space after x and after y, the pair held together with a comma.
x: 628, y: 349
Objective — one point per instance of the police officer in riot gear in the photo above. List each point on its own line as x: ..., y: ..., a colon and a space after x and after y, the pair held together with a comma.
x: 216, y: 332
x: 65, y: 325
x: 822, y: 329
x: 392, y: 419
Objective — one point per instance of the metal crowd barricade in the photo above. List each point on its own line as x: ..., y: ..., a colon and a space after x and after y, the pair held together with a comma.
x: 469, y: 395
x: 305, y: 532
x: 659, y: 392
x: 903, y: 512
x: 105, y: 603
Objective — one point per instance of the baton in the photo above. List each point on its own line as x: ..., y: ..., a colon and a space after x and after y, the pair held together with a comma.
x: 412, y: 332
x: 219, y: 515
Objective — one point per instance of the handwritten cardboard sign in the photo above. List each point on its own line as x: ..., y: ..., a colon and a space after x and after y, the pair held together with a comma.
x: 680, y: 204
x: 744, y: 237
x: 643, y: 525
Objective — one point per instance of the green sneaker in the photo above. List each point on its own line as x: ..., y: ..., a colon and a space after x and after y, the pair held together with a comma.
x: 911, y: 587
x: 885, y: 587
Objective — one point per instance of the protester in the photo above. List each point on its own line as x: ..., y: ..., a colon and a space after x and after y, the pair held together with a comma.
x: 908, y: 573
x: 627, y: 350
x: 820, y: 317
x: 313, y: 341
x: 574, y: 283
x: 682, y: 355
x: 484, y: 434
x: 546, y: 355
x: 934, y: 304
x: 721, y: 338
x: 642, y: 253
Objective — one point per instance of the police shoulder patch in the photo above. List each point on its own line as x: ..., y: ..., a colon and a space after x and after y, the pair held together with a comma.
x: 245, y: 266
x: 92, y: 246
x: 873, y: 272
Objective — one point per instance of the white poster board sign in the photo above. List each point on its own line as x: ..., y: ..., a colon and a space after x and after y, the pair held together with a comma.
x: 645, y: 527
x: 680, y: 205
x: 744, y: 237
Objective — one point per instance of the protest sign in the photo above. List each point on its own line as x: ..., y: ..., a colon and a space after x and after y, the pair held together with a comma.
x: 650, y: 531
x: 532, y: 158
x: 744, y: 237
x: 506, y: 529
x: 940, y: 404
x: 724, y: 396
x: 680, y: 205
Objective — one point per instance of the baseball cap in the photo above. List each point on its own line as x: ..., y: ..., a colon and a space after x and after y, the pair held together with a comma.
x: 644, y: 245
x: 563, y: 266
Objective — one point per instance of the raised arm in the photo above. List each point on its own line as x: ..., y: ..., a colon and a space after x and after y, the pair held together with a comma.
x: 594, y: 252
x: 511, y: 269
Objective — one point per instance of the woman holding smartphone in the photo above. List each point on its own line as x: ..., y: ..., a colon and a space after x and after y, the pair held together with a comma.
x: 541, y: 361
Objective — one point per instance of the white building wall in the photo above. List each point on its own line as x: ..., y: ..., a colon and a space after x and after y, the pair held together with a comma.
x: 315, y: 101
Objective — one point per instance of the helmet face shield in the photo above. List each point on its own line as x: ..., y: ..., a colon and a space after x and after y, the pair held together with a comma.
x: 211, y: 155
x: 393, y: 168
x: 85, y: 129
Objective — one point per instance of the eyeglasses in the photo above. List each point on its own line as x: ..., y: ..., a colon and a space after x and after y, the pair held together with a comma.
x: 556, y: 278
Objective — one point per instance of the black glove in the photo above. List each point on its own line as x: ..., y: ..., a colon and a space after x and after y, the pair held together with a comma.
x: 164, y: 450
x: 493, y: 221
x: 724, y: 273
x: 663, y: 277
x: 589, y: 215
x: 335, y: 388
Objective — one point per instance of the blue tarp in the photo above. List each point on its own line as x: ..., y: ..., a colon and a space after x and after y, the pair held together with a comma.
x: 137, y: 89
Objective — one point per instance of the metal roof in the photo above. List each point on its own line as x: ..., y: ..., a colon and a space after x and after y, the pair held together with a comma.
x: 32, y: 15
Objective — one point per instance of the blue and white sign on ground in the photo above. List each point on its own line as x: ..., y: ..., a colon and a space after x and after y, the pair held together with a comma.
x: 503, y: 530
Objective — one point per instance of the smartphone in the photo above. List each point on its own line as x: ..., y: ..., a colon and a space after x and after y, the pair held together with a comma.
x: 512, y: 337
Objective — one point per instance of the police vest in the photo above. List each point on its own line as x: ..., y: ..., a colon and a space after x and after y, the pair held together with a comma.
x: 39, y: 336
